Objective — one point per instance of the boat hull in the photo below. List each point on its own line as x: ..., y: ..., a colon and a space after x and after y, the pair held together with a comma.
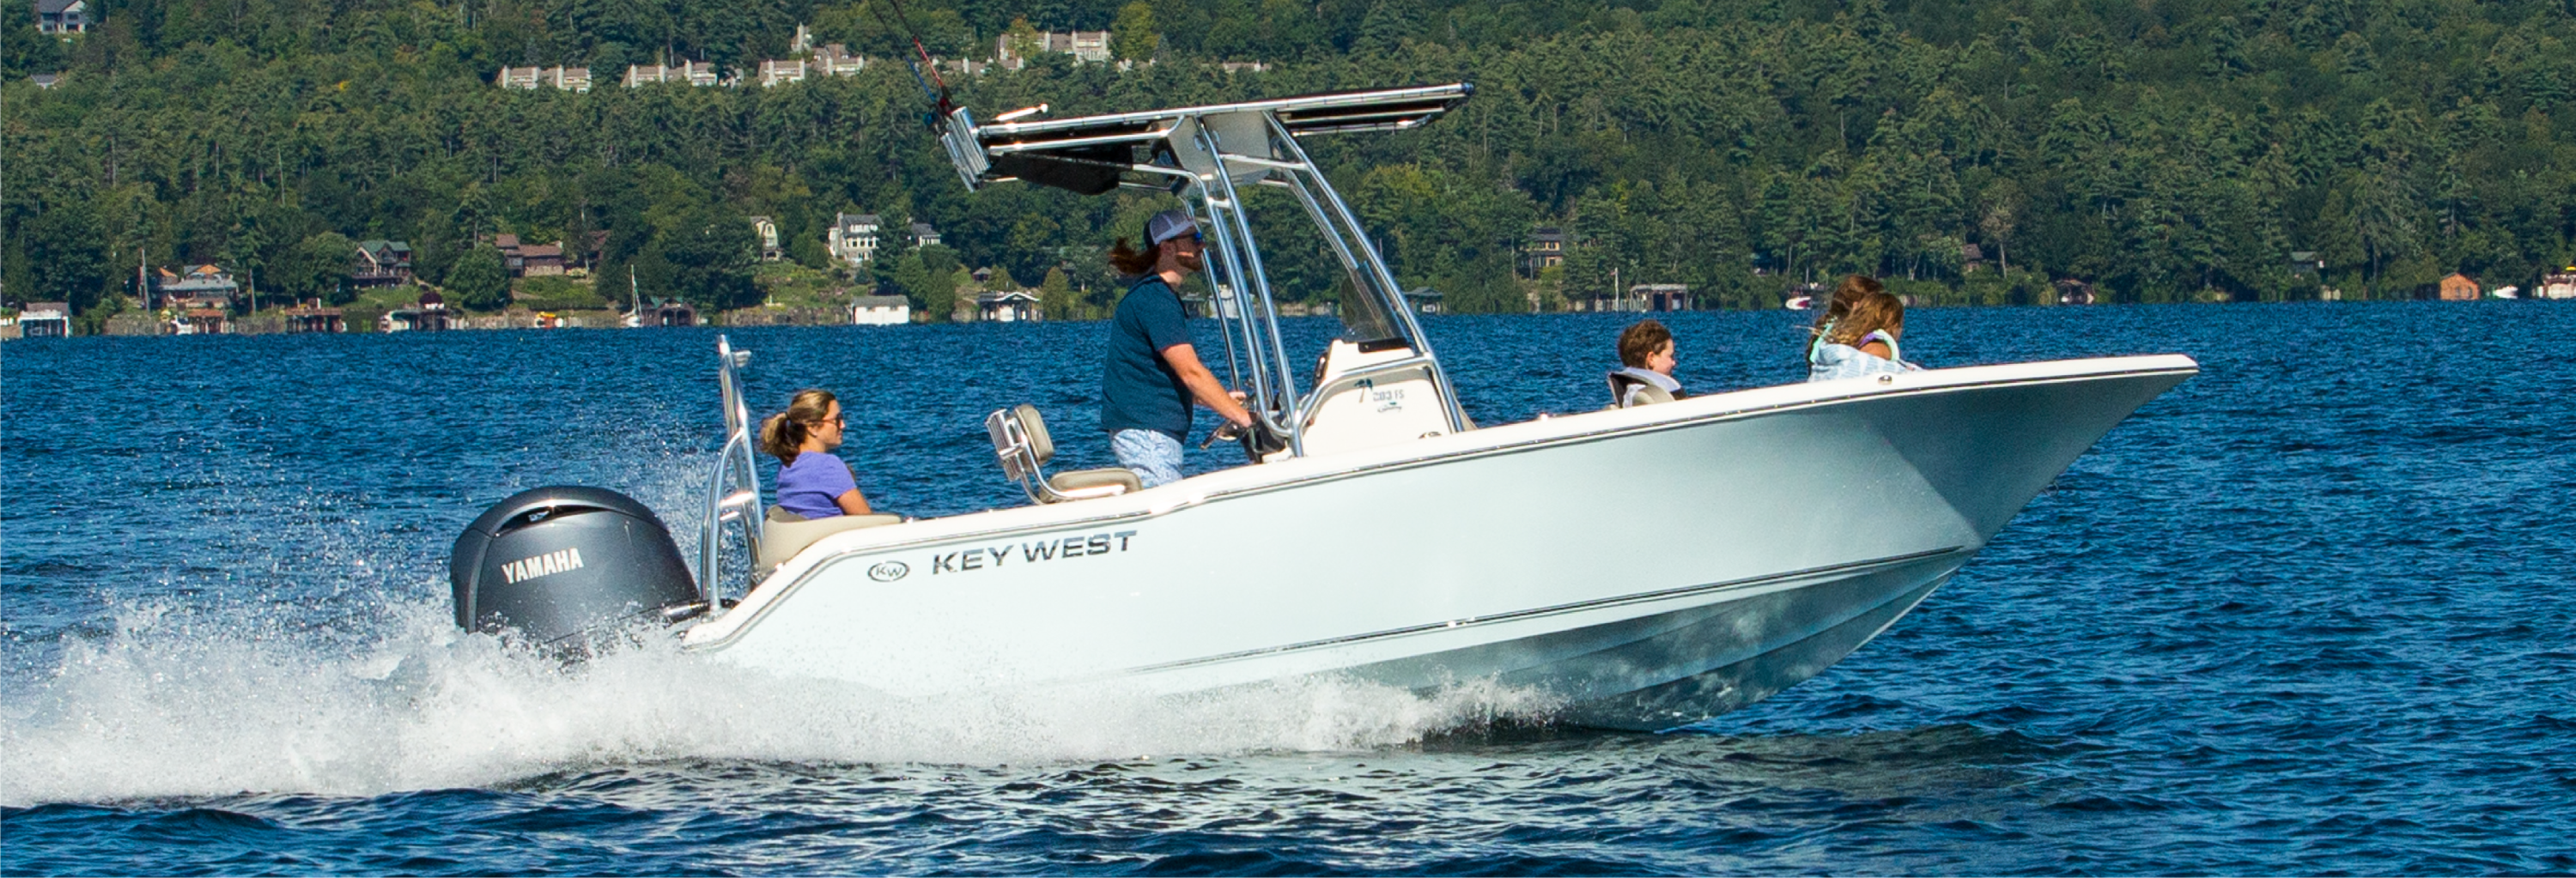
x: 1643, y: 568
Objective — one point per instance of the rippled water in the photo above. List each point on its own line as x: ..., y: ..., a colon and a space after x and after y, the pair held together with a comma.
x: 2314, y: 611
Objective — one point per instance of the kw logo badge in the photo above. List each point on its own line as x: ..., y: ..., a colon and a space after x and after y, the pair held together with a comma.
x: 547, y: 564
x: 889, y: 571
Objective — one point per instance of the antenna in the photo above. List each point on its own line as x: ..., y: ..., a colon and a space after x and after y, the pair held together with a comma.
x: 903, y: 21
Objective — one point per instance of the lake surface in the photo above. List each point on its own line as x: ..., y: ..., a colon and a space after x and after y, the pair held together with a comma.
x: 2314, y: 611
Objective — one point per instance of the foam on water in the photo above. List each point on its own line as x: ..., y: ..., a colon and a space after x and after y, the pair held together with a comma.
x: 177, y: 703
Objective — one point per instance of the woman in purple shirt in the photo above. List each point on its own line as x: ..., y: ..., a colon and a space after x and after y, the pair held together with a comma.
x: 812, y: 482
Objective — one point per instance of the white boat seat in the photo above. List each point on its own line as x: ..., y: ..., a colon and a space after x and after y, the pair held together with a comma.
x: 1022, y: 446
x: 1647, y: 393
x: 786, y: 533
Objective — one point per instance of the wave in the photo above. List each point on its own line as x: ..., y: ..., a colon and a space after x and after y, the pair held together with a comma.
x: 178, y: 704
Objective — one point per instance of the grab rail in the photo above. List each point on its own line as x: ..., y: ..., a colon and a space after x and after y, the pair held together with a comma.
x: 733, y: 491
x: 1429, y: 368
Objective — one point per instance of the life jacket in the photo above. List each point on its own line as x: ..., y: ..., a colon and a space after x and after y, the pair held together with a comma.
x: 1631, y: 387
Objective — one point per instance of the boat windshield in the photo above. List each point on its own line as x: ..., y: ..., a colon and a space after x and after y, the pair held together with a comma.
x: 1364, y: 318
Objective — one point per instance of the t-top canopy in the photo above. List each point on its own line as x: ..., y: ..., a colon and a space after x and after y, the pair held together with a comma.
x: 1093, y: 154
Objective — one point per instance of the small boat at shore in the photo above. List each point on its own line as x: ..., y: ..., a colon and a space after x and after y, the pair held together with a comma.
x: 1640, y: 568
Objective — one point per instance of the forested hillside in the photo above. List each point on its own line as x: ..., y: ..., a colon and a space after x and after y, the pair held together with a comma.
x: 2163, y: 149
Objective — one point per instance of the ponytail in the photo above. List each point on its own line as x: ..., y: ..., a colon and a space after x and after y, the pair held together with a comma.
x: 783, y: 434
x: 780, y: 437
x: 1130, y: 261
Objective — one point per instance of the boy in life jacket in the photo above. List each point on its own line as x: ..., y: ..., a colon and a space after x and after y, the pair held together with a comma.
x: 1646, y: 366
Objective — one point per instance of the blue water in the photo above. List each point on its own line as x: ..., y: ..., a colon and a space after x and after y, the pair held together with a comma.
x: 2312, y: 612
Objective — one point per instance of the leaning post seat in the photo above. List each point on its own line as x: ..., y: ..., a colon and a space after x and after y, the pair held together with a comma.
x: 1021, y: 444
x: 784, y: 533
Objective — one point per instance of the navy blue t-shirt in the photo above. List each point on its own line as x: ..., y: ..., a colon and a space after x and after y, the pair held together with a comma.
x: 1138, y: 390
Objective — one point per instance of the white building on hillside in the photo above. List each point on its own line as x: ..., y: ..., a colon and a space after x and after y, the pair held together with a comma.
x: 853, y: 238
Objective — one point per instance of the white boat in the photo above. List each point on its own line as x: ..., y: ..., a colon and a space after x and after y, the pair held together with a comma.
x: 1649, y: 567
x: 1638, y: 568
x: 1799, y: 303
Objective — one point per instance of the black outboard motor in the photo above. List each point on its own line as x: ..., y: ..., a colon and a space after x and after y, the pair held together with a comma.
x: 554, y: 563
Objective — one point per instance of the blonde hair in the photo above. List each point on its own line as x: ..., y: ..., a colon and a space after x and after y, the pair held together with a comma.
x: 1846, y: 294
x: 783, y: 433
x: 1874, y: 312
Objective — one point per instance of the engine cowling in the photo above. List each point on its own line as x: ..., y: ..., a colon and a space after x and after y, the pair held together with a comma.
x: 555, y: 563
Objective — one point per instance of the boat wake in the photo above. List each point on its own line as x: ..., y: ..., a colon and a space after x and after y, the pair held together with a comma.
x: 172, y: 705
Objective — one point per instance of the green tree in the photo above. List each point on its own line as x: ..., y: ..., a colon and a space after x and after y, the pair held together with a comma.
x: 479, y: 281
x: 23, y: 50
x: 66, y: 260
x: 711, y: 252
x: 318, y: 269
x: 1133, y: 37
x: 1023, y: 38
x: 1055, y: 297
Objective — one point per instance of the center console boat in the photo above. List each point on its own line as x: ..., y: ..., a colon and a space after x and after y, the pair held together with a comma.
x: 1640, y: 568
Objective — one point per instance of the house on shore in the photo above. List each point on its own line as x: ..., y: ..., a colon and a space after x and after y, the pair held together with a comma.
x: 767, y: 229
x: 1089, y: 46
x: 205, y: 286
x: 998, y: 306
x: 659, y: 311
x: 1638, y: 298
x: 62, y: 17
x: 834, y: 59
x: 781, y: 72
x: 199, y: 321
x: 1662, y: 297
x: 880, y: 310
x: 428, y: 315
x: 528, y: 260
x: 1546, y: 249
x: 923, y: 235
x: 2459, y: 288
x: 381, y: 263
x: 853, y: 238
x: 313, y: 317
x: 45, y: 320
x: 573, y: 79
x: 2557, y: 285
x: 696, y: 73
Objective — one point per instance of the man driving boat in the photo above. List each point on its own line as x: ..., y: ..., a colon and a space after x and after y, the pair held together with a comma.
x: 1152, y: 373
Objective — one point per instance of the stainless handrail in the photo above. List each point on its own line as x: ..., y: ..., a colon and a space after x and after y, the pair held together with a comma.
x: 1349, y: 379
x: 1283, y: 397
x: 733, y: 490
x: 1207, y: 161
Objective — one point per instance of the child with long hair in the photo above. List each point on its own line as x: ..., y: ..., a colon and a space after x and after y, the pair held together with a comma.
x: 1853, y: 288
x: 812, y: 481
x: 1863, y: 342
